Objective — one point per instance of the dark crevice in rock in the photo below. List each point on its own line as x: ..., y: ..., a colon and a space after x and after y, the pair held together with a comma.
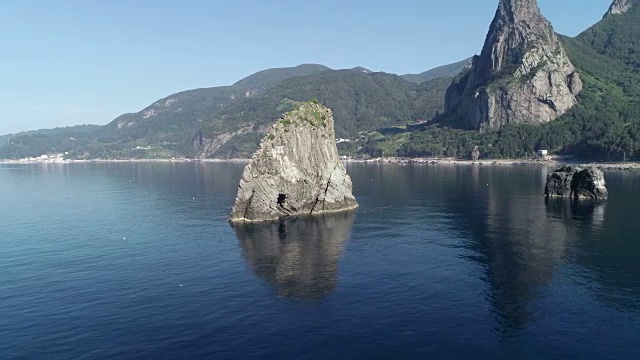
x: 315, y: 204
x: 246, y: 210
x: 281, y: 199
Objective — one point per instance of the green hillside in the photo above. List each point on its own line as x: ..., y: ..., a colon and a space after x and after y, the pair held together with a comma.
x: 605, y: 125
x: 617, y: 36
x: 229, y: 121
x: 165, y: 128
x: 359, y: 100
x: 265, y: 79
x: 38, y: 142
x: 444, y: 71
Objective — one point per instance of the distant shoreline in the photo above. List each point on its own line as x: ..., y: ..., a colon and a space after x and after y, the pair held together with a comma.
x: 635, y: 166
x: 46, y: 162
x: 500, y: 162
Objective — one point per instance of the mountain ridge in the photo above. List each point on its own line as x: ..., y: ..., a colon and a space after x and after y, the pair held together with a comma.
x: 619, y: 7
x: 449, y: 70
x: 199, y: 122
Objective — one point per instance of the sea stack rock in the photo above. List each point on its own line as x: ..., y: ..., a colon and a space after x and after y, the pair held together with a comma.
x: 522, y: 75
x: 295, y: 171
x: 619, y: 7
x: 576, y: 183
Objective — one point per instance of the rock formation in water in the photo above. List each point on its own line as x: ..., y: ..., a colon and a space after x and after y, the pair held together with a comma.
x: 522, y: 75
x: 619, y: 7
x: 295, y: 171
x: 576, y: 183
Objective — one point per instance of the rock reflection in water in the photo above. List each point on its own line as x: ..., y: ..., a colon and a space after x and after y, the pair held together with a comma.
x: 522, y: 238
x: 591, y: 212
x: 298, y: 256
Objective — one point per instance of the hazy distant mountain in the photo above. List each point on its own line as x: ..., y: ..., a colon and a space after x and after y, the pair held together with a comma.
x: 38, y: 142
x: 228, y: 121
x: 361, y: 69
x: 264, y: 79
x: 4, y: 139
x: 449, y: 70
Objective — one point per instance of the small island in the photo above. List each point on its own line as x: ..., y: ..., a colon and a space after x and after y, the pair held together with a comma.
x: 576, y: 183
x: 295, y: 171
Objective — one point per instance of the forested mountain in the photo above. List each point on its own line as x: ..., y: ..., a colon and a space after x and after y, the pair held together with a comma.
x: 617, y: 35
x: 229, y: 121
x: 39, y: 142
x: 267, y: 78
x: 359, y: 100
x: 443, y: 71
x: 4, y: 139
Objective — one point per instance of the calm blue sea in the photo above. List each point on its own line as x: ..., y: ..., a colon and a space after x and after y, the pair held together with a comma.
x: 137, y: 260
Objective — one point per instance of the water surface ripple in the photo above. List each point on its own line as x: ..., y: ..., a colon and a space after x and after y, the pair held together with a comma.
x: 137, y: 260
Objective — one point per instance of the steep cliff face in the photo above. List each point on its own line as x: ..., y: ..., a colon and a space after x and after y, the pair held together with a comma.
x: 619, y: 7
x: 521, y: 76
x: 295, y: 171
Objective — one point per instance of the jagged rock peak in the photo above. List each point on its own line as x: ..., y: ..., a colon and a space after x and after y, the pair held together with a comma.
x: 522, y: 75
x: 295, y: 171
x: 514, y: 10
x: 619, y: 7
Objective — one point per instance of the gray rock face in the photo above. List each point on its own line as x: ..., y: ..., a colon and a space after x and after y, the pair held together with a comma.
x: 295, y: 171
x: 577, y: 183
x: 523, y: 74
x: 619, y: 7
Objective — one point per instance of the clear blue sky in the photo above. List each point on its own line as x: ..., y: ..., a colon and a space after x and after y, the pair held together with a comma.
x: 70, y: 62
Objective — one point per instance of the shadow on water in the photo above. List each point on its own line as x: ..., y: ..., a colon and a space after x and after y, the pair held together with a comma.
x: 607, y: 245
x: 587, y: 212
x: 523, y: 240
x: 297, y: 256
x: 611, y: 256
x: 519, y: 239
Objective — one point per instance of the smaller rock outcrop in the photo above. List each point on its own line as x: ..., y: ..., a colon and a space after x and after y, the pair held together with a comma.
x: 295, y: 171
x: 576, y: 183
